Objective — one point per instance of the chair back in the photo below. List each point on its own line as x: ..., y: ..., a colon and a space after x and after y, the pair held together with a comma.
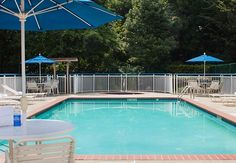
x: 193, y: 84
x: 48, y: 85
x: 32, y: 85
x: 215, y: 84
x: 49, y: 150
x: 55, y: 84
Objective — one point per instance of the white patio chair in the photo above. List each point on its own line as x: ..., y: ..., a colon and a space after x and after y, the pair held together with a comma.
x: 194, y: 86
x: 47, y: 150
x: 4, y: 102
x: 32, y: 87
x: 48, y: 87
x: 55, y: 84
x: 18, y: 93
x: 214, y: 87
x: 52, y: 87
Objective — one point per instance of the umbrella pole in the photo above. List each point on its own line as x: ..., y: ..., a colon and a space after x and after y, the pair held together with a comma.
x: 22, y: 18
x: 40, y: 78
x: 204, y: 69
x: 22, y: 21
x: 23, y: 99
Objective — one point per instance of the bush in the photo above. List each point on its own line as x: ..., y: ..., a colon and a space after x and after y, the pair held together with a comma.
x: 187, y: 68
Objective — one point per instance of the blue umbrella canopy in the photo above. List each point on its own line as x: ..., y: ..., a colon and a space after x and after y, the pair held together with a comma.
x: 40, y: 59
x: 204, y: 58
x: 41, y: 15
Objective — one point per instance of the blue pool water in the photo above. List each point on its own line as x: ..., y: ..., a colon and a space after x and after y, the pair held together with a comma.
x: 144, y: 126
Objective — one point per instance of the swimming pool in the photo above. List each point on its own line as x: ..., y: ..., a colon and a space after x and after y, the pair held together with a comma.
x: 143, y: 126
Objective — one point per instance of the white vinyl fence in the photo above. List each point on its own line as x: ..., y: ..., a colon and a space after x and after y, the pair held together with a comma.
x: 122, y: 83
x: 228, y: 82
x: 80, y: 83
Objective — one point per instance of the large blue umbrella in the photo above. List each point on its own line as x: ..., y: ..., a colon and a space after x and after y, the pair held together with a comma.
x: 41, y: 15
x: 39, y: 60
x: 204, y: 58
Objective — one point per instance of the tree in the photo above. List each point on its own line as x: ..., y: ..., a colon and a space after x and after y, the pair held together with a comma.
x: 148, y: 34
x: 207, y: 26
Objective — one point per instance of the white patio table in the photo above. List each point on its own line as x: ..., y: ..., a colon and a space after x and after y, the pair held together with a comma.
x: 35, y: 128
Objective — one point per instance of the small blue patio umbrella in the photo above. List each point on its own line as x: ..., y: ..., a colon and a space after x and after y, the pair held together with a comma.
x: 39, y: 60
x: 204, y: 58
x: 41, y: 15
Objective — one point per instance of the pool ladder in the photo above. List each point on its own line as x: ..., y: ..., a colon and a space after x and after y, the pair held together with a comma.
x: 184, y: 91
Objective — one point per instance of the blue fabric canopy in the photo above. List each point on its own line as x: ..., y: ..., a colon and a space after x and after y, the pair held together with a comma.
x: 40, y: 59
x: 42, y: 15
x: 205, y: 58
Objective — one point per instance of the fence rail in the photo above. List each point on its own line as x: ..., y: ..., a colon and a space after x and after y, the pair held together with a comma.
x: 123, y: 83
x: 166, y: 83
x: 228, y: 82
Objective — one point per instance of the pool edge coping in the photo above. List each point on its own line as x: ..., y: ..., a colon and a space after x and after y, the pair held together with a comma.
x: 219, y: 114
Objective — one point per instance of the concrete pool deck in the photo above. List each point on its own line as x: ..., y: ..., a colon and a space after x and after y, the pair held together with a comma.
x: 230, y: 112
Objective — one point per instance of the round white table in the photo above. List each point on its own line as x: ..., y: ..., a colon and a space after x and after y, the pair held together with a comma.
x: 35, y: 128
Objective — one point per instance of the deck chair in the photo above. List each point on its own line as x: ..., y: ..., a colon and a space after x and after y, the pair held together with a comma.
x: 32, y: 87
x: 194, y: 86
x: 229, y: 101
x: 55, y: 84
x: 4, y: 102
x: 214, y: 87
x: 17, y: 93
x: 52, y: 87
x: 47, y: 150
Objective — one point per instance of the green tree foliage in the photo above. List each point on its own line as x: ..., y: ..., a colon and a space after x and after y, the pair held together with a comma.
x: 154, y: 36
x: 148, y: 34
x: 207, y: 26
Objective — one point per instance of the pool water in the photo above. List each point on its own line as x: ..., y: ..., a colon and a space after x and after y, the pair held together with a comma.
x: 143, y: 126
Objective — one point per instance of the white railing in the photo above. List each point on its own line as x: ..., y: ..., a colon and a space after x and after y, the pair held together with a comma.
x: 228, y: 82
x: 166, y: 83
x: 122, y: 83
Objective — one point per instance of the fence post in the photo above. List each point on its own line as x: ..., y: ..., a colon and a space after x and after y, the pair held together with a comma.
x: 138, y: 83
x: 108, y: 82
x: 176, y: 84
x: 65, y: 83
x: 4, y: 82
x: 69, y: 84
x: 173, y: 83
x: 15, y: 82
x: 231, y: 84
x: 93, y: 82
x: 121, y: 83
x: 165, y: 83
x: 75, y: 84
x: 126, y: 85
x: 153, y: 82
x: 82, y: 83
